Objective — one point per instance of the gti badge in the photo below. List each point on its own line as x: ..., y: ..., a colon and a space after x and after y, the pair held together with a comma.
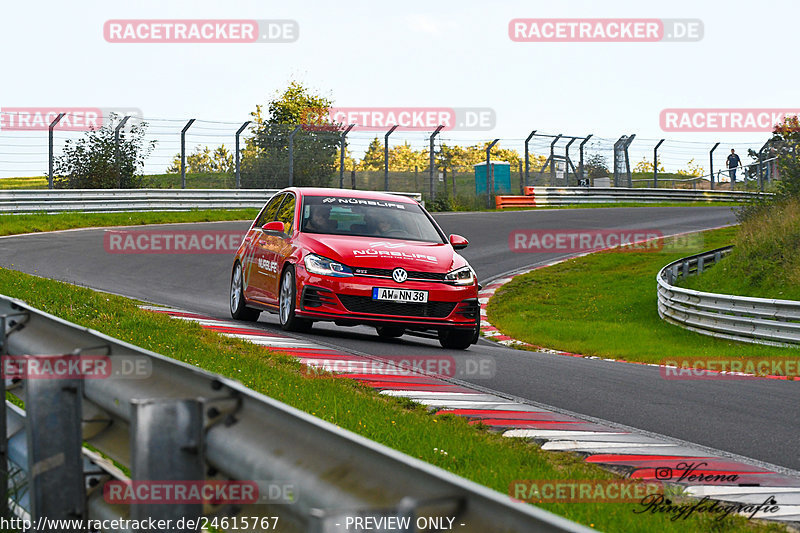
x: 399, y: 275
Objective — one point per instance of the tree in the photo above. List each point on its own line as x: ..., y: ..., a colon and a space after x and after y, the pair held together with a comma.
x: 95, y: 161
x: 204, y: 160
x: 645, y: 166
x: 373, y: 157
x: 596, y: 166
x: 265, y: 160
x: 692, y: 169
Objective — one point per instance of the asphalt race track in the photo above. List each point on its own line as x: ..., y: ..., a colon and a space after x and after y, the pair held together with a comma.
x: 754, y: 418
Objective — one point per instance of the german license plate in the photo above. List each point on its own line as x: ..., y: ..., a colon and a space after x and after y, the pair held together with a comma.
x: 399, y: 295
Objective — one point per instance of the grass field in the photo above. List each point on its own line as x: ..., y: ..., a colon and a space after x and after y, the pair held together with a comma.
x: 765, y: 262
x: 471, y: 451
x: 605, y: 304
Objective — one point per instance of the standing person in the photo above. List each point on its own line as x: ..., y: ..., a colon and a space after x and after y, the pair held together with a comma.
x: 733, y: 163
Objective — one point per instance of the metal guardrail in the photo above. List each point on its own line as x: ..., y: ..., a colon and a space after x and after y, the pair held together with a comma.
x: 125, y: 200
x: 740, y: 318
x: 592, y: 195
x: 183, y: 423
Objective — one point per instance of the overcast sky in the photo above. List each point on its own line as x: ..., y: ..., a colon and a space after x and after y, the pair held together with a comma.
x: 413, y: 54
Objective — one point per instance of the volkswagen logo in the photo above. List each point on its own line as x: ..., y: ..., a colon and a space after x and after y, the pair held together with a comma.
x: 399, y: 275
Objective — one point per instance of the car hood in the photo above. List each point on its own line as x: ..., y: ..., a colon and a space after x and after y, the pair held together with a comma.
x: 374, y: 252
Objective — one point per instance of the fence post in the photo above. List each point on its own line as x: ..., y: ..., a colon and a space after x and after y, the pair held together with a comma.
x: 167, y: 445
x: 183, y: 152
x: 711, y: 164
x: 433, y: 163
x: 55, y: 465
x: 490, y: 175
x: 628, y: 142
x: 116, y: 150
x: 353, y: 178
x: 291, y: 154
x: 342, y: 146
x: 567, y: 162
x: 553, y: 160
x: 655, y: 164
x: 521, y: 180
x: 386, y: 158
x: 50, y: 149
x: 238, y: 175
x: 580, y: 149
x: 527, y: 159
x: 760, y: 170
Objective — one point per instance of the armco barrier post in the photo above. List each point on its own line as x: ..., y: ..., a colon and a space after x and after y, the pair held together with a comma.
x: 167, y: 445
x: 55, y: 464
x: 50, y: 149
x: 183, y: 152
x: 236, y: 155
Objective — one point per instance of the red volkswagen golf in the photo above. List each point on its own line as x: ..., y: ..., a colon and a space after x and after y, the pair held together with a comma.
x: 355, y: 257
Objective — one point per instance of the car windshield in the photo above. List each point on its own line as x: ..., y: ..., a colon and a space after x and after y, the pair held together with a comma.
x: 363, y: 217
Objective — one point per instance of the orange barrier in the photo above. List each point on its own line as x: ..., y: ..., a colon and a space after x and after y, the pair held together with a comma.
x: 528, y: 191
x: 514, y: 201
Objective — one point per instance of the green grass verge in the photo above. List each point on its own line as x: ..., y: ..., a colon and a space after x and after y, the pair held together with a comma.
x: 764, y: 263
x: 16, y: 224
x: 604, y: 304
x: 472, y: 452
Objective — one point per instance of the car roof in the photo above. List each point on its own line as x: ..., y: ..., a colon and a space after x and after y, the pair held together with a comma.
x: 349, y: 193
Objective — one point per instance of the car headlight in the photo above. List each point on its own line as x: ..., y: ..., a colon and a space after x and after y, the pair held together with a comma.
x: 462, y: 276
x: 316, y: 264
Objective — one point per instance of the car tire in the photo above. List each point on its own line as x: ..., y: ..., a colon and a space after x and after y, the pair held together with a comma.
x: 239, y: 310
x: 287, y: 301
x: 390, y: 332
x: 456, y: 339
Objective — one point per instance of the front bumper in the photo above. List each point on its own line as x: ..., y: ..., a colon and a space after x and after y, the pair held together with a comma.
x: 349, y: 300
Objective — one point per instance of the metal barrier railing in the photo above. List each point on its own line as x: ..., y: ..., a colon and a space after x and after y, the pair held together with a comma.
x: 124, y: 200
x: 179, y: 422
x: 740, y: 318
x: 541, y: 196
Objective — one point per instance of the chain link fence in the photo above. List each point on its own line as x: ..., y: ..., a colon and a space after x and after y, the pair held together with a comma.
x: 217, y: 154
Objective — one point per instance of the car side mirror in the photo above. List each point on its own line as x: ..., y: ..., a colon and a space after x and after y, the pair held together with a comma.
x: 458, y: 242
x: 274, y: 226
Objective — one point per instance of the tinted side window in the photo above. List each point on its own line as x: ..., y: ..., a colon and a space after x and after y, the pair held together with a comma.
x: 286, y: 213
x: 268, y: 214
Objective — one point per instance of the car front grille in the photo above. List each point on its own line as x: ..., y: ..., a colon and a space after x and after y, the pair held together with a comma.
x: 365, y: 304
x: 387, y: 273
